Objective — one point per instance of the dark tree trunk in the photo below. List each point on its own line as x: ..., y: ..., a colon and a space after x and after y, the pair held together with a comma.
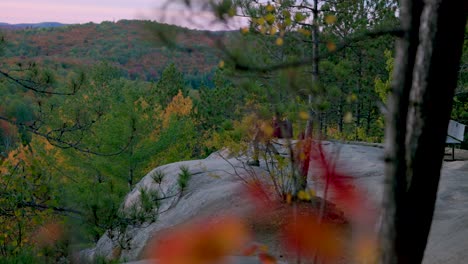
x: 315, y: 66
x: 369, y: 117
x: 340, y: 117
x: 424, y: 81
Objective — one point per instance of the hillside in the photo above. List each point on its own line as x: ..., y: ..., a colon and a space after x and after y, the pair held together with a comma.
x: 131, y: 45
x: 31, y: 25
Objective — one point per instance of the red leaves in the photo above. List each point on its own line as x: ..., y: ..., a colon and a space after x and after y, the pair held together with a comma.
x: 260, y: 195
x: 344, y: 193
x: 266, y: 258
x: 261, y: 251
x: 303, y: 227
x: 48, y: 234
x: 306, y: 237
x: 202, y: 242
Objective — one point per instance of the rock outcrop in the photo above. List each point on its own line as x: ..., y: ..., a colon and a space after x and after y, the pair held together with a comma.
x: 213, y: 190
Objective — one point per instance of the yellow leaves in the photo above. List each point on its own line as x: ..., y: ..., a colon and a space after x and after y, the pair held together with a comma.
x: 270, y: 19
x: 306, y: 195
x: 267, y: 129
x: 47, y: 146
x: 260, y: 21
x: 312, y: 193
x: 348, y: 117
x: 303, y: 195
x: 304, y: 32
x: 299, y: 17
x: 330, y: 19
x: 221, y: 64
x: 143, y: 104
x: 231, y: 12
x: 303, y: 115
x: 273, y: 30
x: 179, y: 106
x: 21, y: 154
x: 351, y: 98
x: 279, y: 41
x: 270, y: 8
x: 244, y: 30
x: 288, y: 198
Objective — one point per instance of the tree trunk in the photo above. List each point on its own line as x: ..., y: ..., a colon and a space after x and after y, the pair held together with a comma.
x: 369, y: 117
x: 424, y: 81
x: 340, y: 116
x: 315, y: 67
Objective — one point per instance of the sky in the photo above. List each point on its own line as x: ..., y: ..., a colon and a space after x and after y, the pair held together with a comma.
x: 84, y: 11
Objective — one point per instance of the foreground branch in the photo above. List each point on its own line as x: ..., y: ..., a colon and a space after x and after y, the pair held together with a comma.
x: 307, y: 61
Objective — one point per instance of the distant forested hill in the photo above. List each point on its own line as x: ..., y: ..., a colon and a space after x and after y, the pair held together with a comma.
x: 131, y: 45
x: 31, y: 25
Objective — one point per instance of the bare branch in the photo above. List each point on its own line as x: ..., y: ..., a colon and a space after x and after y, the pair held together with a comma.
x: 307, y: 61
x: 32, y: 88
x: 56, y: 209
x: 59, y: 142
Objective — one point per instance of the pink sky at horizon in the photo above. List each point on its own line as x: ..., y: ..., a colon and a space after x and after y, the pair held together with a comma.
x: 84, y: 11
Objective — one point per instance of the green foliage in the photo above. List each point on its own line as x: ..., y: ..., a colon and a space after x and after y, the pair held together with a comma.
x: 171, y: 82
x: 158, y: 176
x: 107, y: 114
x: 24, y: 257
x: 135, y: 111
x: 382, y: 88
x: 126, y: 44
x: 184, y: 177
x: 218, y: 104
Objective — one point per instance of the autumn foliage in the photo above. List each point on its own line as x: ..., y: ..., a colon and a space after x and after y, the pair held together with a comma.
x: 306, y: 232
x: 202, y: 242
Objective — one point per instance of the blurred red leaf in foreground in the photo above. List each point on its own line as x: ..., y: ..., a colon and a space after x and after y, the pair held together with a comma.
x: 349, y: 198
x: 266, y: 258
x: 201, y: 242
x: 304, y: 236
x: 259, y: 194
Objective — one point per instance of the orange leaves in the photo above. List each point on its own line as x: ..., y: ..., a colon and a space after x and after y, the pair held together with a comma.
x: 302, y: 232
x: 266, y: 258
x: 20, y: 155
x: 244, y: 30
x: 202, y: 242
x: 331, y: 46
x: 7, y: 129
x: 305, y: 236
x: 179, y: 106
x: 48, y: 234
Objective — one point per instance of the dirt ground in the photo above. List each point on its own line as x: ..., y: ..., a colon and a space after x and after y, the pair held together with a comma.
x: 460, y: 154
